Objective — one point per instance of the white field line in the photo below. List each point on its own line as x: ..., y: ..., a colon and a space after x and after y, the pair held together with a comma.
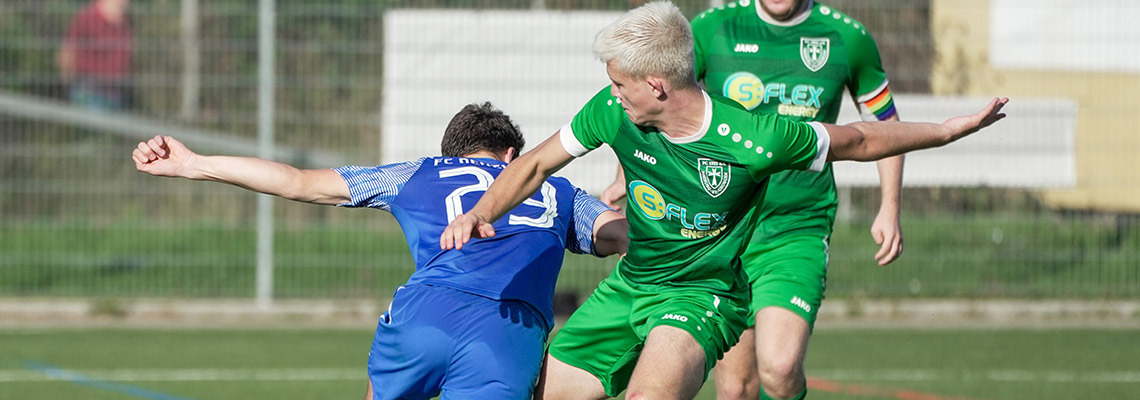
x: 178, y: 375
x: 975, y: 375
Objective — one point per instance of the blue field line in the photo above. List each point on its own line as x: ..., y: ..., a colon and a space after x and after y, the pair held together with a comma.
x: 80, y: 379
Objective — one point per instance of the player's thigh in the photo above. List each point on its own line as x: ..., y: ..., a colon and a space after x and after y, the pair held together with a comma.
x: 735, y: 371
x: 713, y: 321
x: 498, y: 353
x: 789, y: 273
x: 781, y: 342
x: 598, y: 338
x: 670, y: 366
x: 561, y: 381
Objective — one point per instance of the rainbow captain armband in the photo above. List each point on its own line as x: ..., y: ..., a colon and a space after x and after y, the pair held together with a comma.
x: 878, y: 105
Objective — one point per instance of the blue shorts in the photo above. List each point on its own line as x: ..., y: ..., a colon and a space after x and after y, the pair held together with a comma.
x: 435, y: 340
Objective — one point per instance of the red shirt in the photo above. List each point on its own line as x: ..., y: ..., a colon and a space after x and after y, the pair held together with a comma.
x: 102, y: 49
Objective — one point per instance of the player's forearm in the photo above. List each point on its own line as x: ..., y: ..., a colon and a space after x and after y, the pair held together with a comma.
x: 264, y: 176
x: 611, y: 234
x: 520, y: 180
x: 255, y: 174
x: 870, y: 141
x: 866, y: 141
x: 890, y: 182
x: 890, y: 179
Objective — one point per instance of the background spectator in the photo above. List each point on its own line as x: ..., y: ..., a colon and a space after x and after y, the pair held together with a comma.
x: 96, y: 56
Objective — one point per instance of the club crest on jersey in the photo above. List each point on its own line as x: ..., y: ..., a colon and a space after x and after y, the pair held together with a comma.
x: 814, y: 52
x: 715, y: 176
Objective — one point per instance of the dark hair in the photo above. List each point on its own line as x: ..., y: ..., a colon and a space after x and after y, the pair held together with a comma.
x: 480, y: 127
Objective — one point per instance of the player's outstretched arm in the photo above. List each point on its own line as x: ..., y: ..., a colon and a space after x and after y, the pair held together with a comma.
x: 166, y: 156
x: 611, y: 234
x: 870, y: 141
x: 518, y: 181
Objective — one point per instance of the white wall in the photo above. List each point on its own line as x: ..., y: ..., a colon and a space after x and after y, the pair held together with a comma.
x: 1069, y: 35
x: 537, y: 66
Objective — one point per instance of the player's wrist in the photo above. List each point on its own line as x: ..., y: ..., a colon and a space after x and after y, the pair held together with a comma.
x: 478, y: 217
x: 889, y: 208
x: 951, y: 132
x: 193, y: 166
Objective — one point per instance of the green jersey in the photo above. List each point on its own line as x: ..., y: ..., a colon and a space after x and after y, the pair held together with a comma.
x: 690, y: 198
x: 798, y: 69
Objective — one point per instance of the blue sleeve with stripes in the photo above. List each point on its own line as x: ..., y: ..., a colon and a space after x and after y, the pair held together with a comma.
x: 377, y: 187
x: 587, y: 208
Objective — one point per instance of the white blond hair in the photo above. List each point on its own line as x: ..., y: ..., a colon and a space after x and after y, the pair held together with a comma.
x: 654, y: 39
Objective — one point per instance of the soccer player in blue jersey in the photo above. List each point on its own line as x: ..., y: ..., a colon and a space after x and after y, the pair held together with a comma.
x: 468, y: 324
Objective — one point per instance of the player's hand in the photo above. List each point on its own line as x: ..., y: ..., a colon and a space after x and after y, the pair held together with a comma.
x: 966, y: 125
x: 162, y: 156
x: 613, y: 193
x: 888, y: 234
x: 462, y: 228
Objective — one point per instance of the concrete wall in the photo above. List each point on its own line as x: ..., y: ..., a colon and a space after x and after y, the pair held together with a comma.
x: 1107, y: 90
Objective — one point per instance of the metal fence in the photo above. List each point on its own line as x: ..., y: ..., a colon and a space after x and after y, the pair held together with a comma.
x: 76, y: 219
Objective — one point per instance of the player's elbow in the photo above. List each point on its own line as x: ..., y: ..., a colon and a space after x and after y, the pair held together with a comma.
x: 309, y: 187
x: 612, y: 237
x: 852, y: 146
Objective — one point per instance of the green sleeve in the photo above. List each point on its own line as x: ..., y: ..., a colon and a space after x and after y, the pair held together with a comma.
x: 787, y: 144
x: 866, y: 66
x: 701, y: 37
x: 705, y: 27
x: 598, y: 121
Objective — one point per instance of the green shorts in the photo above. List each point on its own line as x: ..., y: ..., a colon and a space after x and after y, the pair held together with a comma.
x: 789, y: 272
x: 605, y: 335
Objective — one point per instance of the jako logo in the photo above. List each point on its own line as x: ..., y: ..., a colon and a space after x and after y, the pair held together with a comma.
x: 801, y: 303
x: 747, y: 48
x: 644, y: 157
x: 676, y: 317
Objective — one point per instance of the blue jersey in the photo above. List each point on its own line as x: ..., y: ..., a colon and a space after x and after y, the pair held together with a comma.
x: 523, y: 259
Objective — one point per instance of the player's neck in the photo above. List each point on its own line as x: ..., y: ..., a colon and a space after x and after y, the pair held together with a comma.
x: 792, y: 19
x: 483, y: 154
x: 685, y: 115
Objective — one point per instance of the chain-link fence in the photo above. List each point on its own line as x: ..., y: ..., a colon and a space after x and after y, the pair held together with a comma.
x: 76, y: 219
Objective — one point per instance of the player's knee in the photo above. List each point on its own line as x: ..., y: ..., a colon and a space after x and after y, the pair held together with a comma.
x: 634, y: 394
x: 778, y: 369
x: 782, y: 379
x: 737, y: 388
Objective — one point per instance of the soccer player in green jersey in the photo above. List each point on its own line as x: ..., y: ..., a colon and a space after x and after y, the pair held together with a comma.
x: 695, y: 165
x: 795, y: 58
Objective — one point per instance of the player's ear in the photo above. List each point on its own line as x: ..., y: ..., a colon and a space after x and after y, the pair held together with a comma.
x: 509, y: 154
x: 658, y: 84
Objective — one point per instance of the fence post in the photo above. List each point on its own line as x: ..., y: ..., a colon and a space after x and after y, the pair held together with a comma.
x: 192, y: 69
x: 265, y: 49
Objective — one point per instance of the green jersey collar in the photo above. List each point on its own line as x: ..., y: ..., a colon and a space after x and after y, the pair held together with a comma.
x: 707, y: 120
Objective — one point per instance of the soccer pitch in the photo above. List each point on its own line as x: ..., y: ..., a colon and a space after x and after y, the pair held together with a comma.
x: 223, y: 363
